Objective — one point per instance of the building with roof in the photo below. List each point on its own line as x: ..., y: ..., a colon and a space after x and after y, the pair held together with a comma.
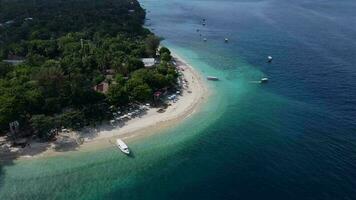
x: 102, y: 87
x: 14, y: 59
x: 148, y: 62
x: 13, y: 62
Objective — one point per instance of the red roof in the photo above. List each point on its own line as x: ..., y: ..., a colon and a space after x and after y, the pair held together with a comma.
x: 157, y: 94
x: 102, y: 87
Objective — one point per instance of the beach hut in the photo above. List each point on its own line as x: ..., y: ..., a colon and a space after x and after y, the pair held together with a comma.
x: 148, y: 62
x: 14, y: 59
x: 102, y: 87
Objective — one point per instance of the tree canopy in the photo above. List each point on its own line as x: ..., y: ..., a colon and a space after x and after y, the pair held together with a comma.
x: 68, y: 48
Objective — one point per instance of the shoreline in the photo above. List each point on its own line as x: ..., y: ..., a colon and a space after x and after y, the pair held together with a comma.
x: 150, y: 123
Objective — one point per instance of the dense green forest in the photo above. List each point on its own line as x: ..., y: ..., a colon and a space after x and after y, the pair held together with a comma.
x: 67, y: 48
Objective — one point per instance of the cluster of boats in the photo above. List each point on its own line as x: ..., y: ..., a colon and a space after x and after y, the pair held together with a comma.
x: 263, y: 80
x: 125, y: 149
x: 205, y: 39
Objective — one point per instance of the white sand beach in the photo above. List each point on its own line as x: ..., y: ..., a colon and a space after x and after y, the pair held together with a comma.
x: 150, y: 123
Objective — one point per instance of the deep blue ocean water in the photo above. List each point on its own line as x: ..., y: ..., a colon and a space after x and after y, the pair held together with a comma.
x: 292, y: 138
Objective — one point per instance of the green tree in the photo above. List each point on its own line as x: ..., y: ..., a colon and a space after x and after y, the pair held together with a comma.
x: 98, y: 79
x: 11, y: 109
x: 154, y: 79
x: 142, y: 93
x: 166, y: 57
x: 65, y: 55
x: 4, y: 69
x: 50, y: 80
x: 134, y: 64
x: 162, y: 68
x: 152, y: 42
x: 72, y: 119
x: 119, y: 79
x: 42, y: 126
x: 51, y: 63
x: 163, y: 50
x: 138, y: 90
x: 118, y: 95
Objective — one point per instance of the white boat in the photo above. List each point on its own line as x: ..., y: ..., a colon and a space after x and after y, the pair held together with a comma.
x: 226, y: 40
x: 269, y: 58
x: 122, y: 146
x: 212, y: 78
x: 264, y: 80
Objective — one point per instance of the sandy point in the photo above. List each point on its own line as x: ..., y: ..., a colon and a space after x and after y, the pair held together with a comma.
x: 191, y: 99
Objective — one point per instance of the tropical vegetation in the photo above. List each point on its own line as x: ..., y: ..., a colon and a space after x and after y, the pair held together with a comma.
x: 68, y: 47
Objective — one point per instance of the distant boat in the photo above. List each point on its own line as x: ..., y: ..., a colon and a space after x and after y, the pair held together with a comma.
x: 205, y: 39
x: 226, y: 40
x: 269, y: 59
x: 264, y: 80
x: 212, y: 78
x: 122, y: 146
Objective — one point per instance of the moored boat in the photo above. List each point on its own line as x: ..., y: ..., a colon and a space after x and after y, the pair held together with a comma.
x: 122, y: 146
x: 212, y: 78
x: 264, y: 80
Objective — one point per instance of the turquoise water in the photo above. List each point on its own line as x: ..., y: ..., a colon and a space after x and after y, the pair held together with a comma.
x: 293, y: 138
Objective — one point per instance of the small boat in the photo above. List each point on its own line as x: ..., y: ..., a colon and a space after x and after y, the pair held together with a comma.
x: 269, y: 59
x: 264, y: 80
x: 226, y: 40
x: 212, y: 78
x: 122, y: 146
x: 205, y: 39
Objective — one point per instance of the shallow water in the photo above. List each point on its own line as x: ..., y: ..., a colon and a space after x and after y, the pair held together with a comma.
x: 293, y: 138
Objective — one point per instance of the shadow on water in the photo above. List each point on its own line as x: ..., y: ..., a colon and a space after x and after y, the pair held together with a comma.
x: 3, y: 163
x: 9, y: 154
x: 131, y: 155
